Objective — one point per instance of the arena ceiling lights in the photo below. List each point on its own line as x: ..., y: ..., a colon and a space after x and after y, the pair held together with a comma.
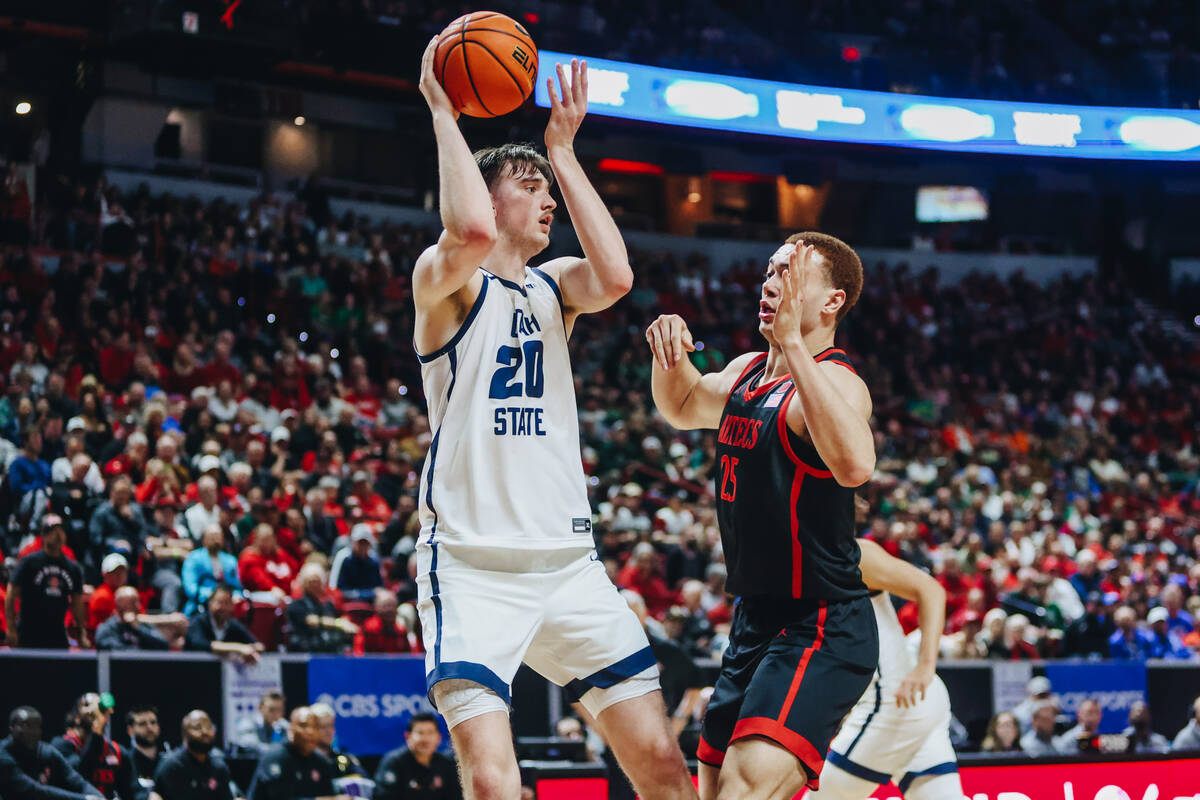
x: 748, y: 105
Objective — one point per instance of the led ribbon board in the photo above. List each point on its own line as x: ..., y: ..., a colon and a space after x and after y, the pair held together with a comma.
x: 749, y: 105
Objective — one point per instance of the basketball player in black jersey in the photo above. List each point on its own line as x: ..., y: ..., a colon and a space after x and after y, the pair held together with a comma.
x: 793, y: 442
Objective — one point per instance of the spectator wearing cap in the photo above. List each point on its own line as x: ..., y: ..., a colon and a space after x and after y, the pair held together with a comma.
x: 359, y: 573
x: 1039, y: 739
x: 641, y: 575
x: 1165, y: 643
x: 102, y: 604
x: 266, y: 568
x: 384, y: 631
x: 1140, y: 733
x: 205, y: 511
x: 206, y: 567
x: 1178, y: 620
x: 1129, y: 642
x: 1088, y: 636
x: 1189, y: 737
x: 1039, y: 691
x: 125, y: 629
x: 312, y: 620
x: 118, y: 524
x: 46, y: 584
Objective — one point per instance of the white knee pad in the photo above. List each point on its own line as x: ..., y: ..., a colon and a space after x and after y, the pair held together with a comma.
x: 596, y: 700
x: 458, y: 700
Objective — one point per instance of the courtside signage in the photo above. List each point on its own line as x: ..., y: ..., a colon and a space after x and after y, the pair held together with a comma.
x: 749, y: 105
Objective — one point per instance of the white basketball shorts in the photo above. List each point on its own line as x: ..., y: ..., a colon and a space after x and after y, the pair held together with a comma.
x: 881, y: 742
x: 484, y: 611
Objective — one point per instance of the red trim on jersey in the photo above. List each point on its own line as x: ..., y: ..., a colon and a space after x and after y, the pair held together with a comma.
x: 800, y: 747
x: 781, y: 424
x: 797, y: 548
x: 754, y: 362
x: 826, y: 354
x: 708, y: 754
x: 803, y: 665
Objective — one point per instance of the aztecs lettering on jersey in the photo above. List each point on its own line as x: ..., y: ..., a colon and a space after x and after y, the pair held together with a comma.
x: 739, y: 431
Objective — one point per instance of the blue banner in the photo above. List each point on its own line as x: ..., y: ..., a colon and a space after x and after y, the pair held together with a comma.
x: 1114, y: 685
x: 374, y: 697
x: 750, y: 105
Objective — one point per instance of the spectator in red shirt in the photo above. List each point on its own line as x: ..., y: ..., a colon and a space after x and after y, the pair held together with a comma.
x: 374, y: 507
x: 265, y: 567
x: 641, y: 575
x: 975, y: 607
x: 102, y: 604
x: 384, y: 631
x: 955, y: 583
x: 220, y: 368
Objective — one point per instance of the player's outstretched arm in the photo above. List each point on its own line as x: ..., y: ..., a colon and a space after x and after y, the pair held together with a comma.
x: 685, y: 398
x: 466, y: 206
x: 602, y: 276
x: 831, y: 403
x: 886, y: 573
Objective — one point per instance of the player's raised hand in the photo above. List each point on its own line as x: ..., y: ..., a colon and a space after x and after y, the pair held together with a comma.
x: 669, y: 338
x: 430, y: 87
x: 568, y: 105
x: 790, y: 311
x: 912, y: 688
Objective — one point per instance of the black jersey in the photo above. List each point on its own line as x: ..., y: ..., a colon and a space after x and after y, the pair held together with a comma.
x: 787, y: 526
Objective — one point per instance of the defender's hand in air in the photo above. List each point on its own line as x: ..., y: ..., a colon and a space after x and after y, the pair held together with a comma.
x: 912, y: 688
x: 669, y: 339
x: 567, y: 112
x: 434, y: 94
x: 790, y: 311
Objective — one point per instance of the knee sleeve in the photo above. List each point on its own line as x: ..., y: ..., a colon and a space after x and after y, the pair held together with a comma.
x: 458, y: 700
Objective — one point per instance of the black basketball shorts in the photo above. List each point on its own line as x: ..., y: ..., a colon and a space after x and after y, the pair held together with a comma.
x: 792, y: 671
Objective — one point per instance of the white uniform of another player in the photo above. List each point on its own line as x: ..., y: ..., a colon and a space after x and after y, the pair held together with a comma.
x: 507, y: 570
x: 881, y: 742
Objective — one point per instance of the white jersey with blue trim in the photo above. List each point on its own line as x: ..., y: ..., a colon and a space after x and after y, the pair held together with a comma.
x: 504, y: 468
x: 895, y: 658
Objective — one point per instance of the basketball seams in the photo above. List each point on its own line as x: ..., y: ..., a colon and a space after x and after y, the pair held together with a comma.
x: 467, y: 69
x: 499, y: 61
x: 456, y: 35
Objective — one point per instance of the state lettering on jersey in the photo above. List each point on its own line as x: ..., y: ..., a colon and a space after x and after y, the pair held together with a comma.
x: 512, y: 421
x: 739, y: 431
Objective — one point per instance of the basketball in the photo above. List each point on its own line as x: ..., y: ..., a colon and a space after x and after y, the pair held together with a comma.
x: 486, y: 62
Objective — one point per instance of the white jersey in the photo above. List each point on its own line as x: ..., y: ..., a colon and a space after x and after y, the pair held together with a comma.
x: 895, y: 659
x: 504, y: 468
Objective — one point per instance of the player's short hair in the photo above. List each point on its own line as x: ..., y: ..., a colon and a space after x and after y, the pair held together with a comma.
x: 523, y: 159
x: 417, y: 719
x: 140, y: 708
x: 845, y: 267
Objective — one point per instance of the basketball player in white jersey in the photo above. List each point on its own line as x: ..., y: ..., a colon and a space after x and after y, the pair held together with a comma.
x: 900, y: 730
x: 507, y: 568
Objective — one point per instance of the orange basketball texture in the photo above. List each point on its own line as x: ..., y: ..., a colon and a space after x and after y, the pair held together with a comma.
x: 486, y: 62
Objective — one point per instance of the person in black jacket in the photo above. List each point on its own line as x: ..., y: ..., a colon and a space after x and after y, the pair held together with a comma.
x: 214, y: 630
x: 418, y: 771
x: 1088, y: 636
x: 146, y: 748
x: 30, y: 768
x: 103, y: 762
x: 295, y: 770
x: 192, y: 772
x: 313, y: 622
x: 123, y: 631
